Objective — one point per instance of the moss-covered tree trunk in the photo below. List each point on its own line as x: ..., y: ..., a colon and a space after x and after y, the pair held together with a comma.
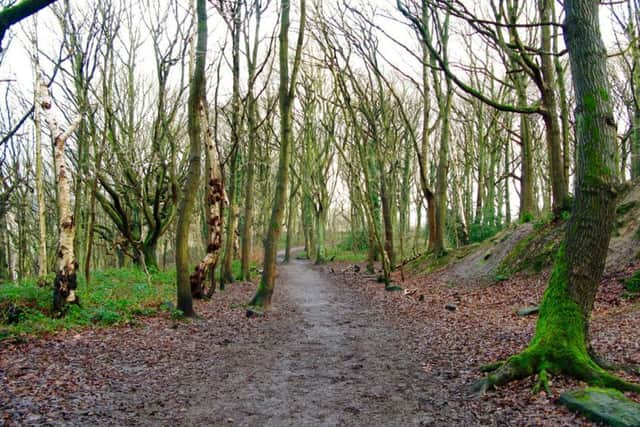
x: 252, y: 128
x: 445, y: 100
x: 553, y: 133
x: 40, y: 90
x: 633, y: 34
x: 262, y: 299
x: 560, y: 344
x: 197, y: 90
x: 291, y: 210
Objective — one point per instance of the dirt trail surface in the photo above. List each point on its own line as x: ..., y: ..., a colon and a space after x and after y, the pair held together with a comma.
x: 336, y: 349
x: 323, y: 356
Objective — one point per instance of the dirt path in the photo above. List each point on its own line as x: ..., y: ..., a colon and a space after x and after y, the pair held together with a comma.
x: 324, y: 356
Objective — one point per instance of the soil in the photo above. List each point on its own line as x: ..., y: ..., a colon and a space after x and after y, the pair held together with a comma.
x: 336, y: 349
x: 482, y: 263
x: 323, y: 356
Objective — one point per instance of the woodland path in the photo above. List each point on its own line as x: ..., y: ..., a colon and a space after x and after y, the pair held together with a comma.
x: 324, y: 356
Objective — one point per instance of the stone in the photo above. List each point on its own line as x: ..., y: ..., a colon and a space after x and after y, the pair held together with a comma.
x: 607, y: 406
x: 528, y: 311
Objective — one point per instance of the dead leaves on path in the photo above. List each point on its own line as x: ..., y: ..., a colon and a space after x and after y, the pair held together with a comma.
x: 484, y: 328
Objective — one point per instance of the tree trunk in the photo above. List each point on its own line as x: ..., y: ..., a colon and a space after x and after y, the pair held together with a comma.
x: 41, y: 93
x: 65, y: 282
x: 262, y: 299
x: 290, y: 231
x: 634, y: 34
x: 5, y: 273
x: 197, y: 90
x: 553, y: 133
x: 560, y: 344
x: 215, y: 204
x: 226, y: 276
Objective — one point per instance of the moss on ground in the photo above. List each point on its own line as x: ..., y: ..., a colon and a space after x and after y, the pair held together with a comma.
x: 533, y: 253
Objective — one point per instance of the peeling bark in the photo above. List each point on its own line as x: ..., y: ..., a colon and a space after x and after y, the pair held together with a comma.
x: 215, y: 203
x: 65, y: 282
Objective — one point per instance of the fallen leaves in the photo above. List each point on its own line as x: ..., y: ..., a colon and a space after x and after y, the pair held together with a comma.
x: 460, y: 326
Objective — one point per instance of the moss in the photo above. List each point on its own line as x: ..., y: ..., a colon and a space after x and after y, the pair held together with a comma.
x: 430, y: 262
x: 623, y: 208
x: 534, y: 252
x: 632, y: 284
x: 260, y: 300
x: 559, y: 345
x: 603, y: 405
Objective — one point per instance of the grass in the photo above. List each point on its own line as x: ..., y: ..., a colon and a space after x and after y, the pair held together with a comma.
x: 114, y: 297
x: 337, y: 253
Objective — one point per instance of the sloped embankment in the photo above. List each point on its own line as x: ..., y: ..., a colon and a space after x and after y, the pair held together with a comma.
x: 532, y: 247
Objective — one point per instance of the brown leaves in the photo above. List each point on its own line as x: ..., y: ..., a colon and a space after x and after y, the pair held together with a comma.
x: 484, y: 328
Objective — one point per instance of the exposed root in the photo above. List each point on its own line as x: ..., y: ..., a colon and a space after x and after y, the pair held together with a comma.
x: 534, y: 361
x: 254, y: 311
x: 542, y: 383
x: 490, y: 367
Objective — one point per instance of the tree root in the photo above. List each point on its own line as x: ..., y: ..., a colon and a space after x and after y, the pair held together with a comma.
x: 490, y: 367
x: 542, y: 383
x: 546, y: 362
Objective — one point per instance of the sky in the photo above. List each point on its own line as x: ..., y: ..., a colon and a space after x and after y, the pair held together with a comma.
x: 16, y: 70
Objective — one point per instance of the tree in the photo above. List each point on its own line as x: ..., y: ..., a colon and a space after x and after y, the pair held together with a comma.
x: 37, y: 121
x: 253, y: 70
x: 560, y: 344
x: 215, y: 200
x: 65, y: 283
x: 286, y: 91
x: 17, y: 12
x: 231, y: 11
x: 197, y: 91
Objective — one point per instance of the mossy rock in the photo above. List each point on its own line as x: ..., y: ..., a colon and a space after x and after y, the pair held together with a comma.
x: 607, y: 406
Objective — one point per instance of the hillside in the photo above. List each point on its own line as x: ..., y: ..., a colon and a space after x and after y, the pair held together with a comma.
x: 530, y: 247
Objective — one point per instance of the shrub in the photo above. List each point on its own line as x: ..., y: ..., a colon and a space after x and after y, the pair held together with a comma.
x: 354, y: 240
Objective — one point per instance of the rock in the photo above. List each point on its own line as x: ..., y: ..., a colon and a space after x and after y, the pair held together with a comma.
x: 528, y: 311
x: 451, y: 307
x: 607, y: 406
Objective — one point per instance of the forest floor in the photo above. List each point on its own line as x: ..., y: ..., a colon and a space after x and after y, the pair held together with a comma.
x: 336, y: 349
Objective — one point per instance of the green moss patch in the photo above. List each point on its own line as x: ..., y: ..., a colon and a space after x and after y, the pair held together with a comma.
x: 430, y: 262
x: 607, y: 406
x: 533, y: 253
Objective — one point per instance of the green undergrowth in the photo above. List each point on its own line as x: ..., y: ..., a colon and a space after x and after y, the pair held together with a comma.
x: 338, y: 253
x: 236, y: 270
x: 430, y: 262
x: 114, y: 297
x: 347, y: 255
x: 632, y: 285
